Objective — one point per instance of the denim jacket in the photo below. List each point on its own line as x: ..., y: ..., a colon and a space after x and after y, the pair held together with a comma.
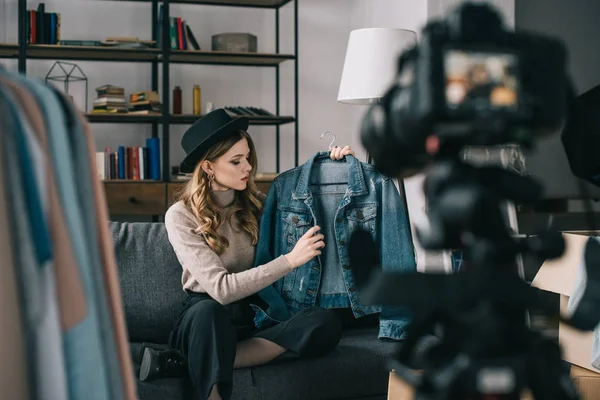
x: 301, y: 198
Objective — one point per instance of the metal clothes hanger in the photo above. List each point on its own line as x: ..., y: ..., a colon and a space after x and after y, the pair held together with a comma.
x: 332, y: 142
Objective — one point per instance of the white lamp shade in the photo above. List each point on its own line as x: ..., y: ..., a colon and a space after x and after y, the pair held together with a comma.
x: 371, y: 62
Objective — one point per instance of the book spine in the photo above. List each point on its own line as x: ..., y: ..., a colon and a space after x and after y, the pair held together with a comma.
x: 32, y: 26
x: 159, y: 28
x: 136, y: 165
x: 153, y: 145
x: 115, y: 165
x: 184, y: 35
x: 141, y: 163
x: 52, y: 28
x: 173, y: 32
x: 100, y: 165
x: 107, y: 162
x: 121, y: 162
x: 192, y: 38
x: 179, y: 35
x: 130, y: 161
x: 57, y: 28
x: 40, y: 24
x: 111, y: 165
x: 146, y: 163
x: 47, y: 28
x: 126, y: 163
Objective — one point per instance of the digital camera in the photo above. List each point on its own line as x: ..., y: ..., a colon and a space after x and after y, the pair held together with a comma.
x: 470, y: 81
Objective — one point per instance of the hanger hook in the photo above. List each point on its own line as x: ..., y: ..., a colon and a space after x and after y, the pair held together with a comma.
x: 333, y: 141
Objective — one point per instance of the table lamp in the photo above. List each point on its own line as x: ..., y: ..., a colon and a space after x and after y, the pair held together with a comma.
x: 371, y: 62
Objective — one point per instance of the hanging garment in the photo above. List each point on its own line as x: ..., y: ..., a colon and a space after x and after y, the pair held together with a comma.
x: 70, y: 295
x: 78, y: 148
x: 111, y: 277
x: 84, y: 306
x: 86, y: 368
x: 29, y: 208
x: 340, y: 197
x: 15, y: 362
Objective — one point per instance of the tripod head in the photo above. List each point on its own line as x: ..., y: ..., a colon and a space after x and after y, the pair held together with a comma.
x: 465, y: 209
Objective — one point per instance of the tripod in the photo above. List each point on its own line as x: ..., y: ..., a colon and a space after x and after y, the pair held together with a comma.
x: 487, y: 350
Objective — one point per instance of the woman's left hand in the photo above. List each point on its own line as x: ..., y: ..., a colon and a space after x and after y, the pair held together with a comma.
x: 337, y: 153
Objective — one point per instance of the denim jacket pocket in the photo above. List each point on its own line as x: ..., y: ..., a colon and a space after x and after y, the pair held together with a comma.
x: 362, y: 216
x: 295, y: 225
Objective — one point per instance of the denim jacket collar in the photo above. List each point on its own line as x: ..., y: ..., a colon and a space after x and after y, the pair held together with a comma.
x: 356, y: 180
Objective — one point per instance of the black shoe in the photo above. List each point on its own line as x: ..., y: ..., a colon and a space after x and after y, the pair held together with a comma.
x: 162, y: 364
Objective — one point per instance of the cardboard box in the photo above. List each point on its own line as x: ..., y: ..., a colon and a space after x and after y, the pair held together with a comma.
x: 558, y: 276
x: 586, y: 381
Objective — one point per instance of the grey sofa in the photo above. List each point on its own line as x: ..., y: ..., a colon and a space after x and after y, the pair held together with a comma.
x: 150, y: 274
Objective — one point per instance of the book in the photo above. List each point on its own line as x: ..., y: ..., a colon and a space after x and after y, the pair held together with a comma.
x: 144, y: 96
x: 153, y: 145
x: 192, y: 38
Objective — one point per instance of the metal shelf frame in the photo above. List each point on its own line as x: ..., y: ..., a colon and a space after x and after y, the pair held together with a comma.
x: 163, y: 58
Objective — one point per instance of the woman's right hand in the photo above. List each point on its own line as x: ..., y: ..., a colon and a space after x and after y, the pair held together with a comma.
x: 308, y: 247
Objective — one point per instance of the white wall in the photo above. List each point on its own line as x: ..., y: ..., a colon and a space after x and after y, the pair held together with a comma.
x: 324, y: 26
x: 576, y: 22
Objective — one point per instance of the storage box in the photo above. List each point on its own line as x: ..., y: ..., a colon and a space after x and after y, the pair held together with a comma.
x: 235, y: 42
x: 586, y: 381
x: 558, y: 276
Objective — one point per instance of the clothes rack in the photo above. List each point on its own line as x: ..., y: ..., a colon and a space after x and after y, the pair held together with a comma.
x: 63, y: 333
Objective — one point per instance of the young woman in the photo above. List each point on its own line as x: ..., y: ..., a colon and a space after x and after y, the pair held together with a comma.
x: 213, y: 229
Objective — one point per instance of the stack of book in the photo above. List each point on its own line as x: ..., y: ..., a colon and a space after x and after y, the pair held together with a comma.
x: 110, y: 99
x: 131, y: 162
x: 42, y: 27
x: 145, y: 103
x: 180, y: 34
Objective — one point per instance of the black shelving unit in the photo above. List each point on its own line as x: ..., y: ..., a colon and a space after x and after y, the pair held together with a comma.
x: 163, y: 58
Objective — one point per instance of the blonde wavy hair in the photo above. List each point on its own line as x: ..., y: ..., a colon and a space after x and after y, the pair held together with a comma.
x: 197, y: 197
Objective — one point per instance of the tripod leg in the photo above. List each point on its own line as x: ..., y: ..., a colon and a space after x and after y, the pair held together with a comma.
x: 548, y: 374
x: 419, y: 329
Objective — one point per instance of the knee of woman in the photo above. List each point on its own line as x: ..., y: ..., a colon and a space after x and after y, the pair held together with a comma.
x: 324, y: 332
x: 206, y: 313
x: 329, y: 322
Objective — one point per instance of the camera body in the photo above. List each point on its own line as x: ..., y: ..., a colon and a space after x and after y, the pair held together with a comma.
x: 470, y: 81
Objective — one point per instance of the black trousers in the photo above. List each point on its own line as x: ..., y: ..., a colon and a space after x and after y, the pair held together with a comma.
x: 207, y: 333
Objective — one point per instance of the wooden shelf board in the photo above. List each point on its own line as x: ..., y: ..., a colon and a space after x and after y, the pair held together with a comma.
x: 107, y: 53
x: 228, y: 58
x: 9, y: 50
x: 121, y: 118
x: 177, y: 119
x: 237, y: 3
x: 190, y: 119
x: 120, y: 181
x: 99, y: 53
x: 228, y: 3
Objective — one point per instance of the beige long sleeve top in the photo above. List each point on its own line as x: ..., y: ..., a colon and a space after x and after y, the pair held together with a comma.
x: 230, y: 276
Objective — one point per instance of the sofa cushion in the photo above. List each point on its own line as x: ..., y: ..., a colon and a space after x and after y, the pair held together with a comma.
x: 355, y: 370
x: 150, y: 279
